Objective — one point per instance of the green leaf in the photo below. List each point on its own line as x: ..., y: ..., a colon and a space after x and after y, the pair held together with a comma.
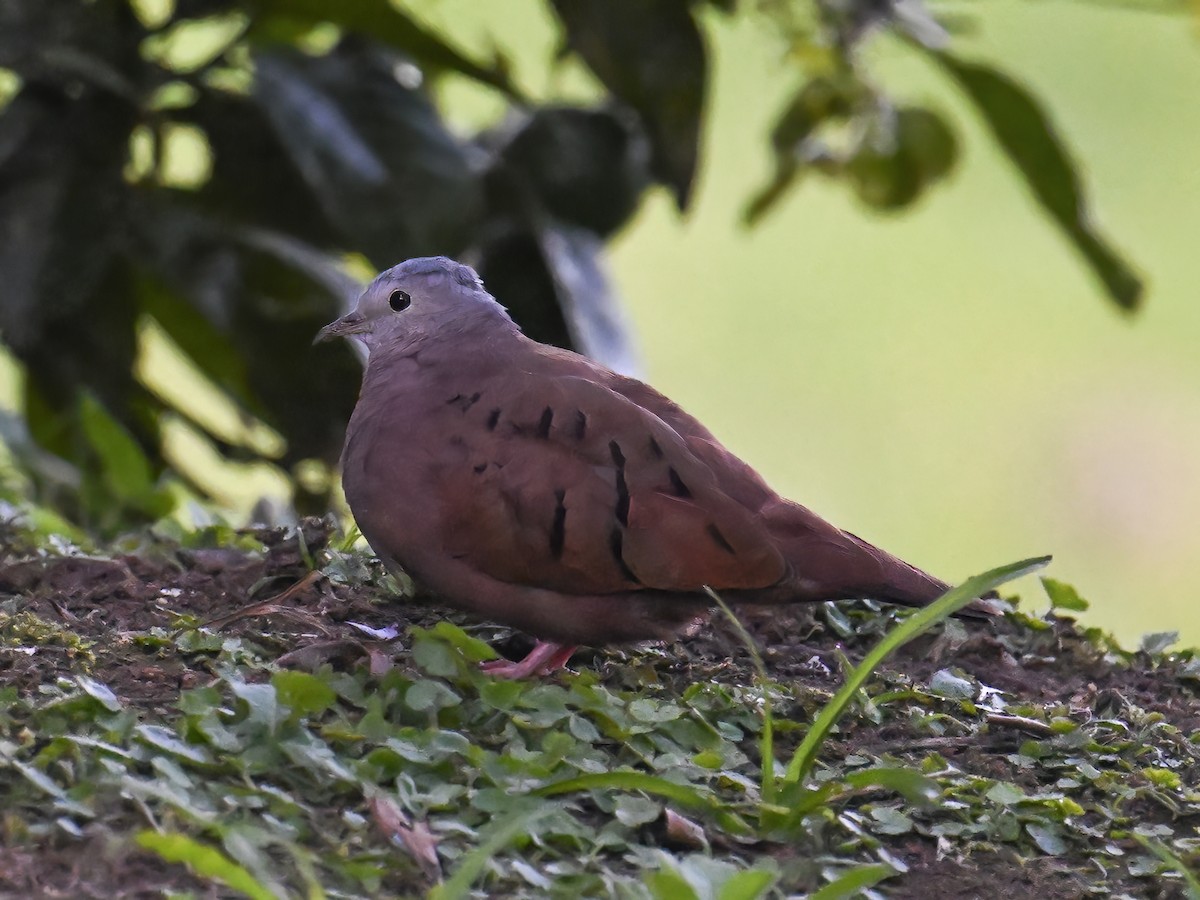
x: 633, y: 811
x: 1048, y: 837
x: 916, y: 624
x: 99, y: 692
x: 908, y: 783
x: 683, y: 794
x: 749, y: 884
x: 945, y: 683
x: 428, y: 695
x: 125, y: 468
x: 1063, y: 595
x: 39, y: 779
x: 501, y: 694
x: 164, y: 739
x: 470, y: 647
x: 302, y: 692
x: 890, y: 821
x: 1005, y: 793
x: 314, y: 754
x: 205, y: 861
x: 668, y: 884
x: 434, y: 657
x: 1157, y: 642
x: 652, y: 57
x: 854, y: 882
x: 1026, y: 134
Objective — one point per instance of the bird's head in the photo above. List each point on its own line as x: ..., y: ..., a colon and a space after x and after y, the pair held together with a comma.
x: 420, y: 297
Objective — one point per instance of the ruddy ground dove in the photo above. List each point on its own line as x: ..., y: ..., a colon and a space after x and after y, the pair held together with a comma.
x: 534, y: 487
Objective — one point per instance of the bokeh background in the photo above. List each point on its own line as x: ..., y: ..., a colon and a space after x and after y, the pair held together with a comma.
x: 949, y: 382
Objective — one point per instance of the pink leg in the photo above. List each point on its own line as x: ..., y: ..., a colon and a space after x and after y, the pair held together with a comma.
x: 544, y: 658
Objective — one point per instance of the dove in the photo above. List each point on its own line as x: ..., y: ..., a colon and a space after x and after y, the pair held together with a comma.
x: 536, y: 488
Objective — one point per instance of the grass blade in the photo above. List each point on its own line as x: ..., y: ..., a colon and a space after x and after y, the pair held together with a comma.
x: 767, y: 743
x: 854, y: 882
x: 204, y: 861
x: 916, y: 624
x: 1159, y: 849
x: 458, y: 885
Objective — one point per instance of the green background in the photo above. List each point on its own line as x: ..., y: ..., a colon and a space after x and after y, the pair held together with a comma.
x: 948, y: 383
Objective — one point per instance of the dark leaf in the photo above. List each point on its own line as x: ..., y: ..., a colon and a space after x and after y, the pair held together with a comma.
x: 1025, y: 132
x: 375, y: 153
x: 126, y: 473
x: 819, y: 101
x: 928, y: 141
x: 552, y: 280
x: 201, y: 9
x: 512, y: 267
x: 588, y: 167
x: 60, y: 206
x: 651, y: 55
x: 383, y: 21
x: 92, y: 349
x: 65, y: 43
x: 884, y: 178
x: 254, y: 180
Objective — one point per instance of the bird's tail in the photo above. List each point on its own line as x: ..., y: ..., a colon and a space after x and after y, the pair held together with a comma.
x: 907, y: 585
x: 831, y: 564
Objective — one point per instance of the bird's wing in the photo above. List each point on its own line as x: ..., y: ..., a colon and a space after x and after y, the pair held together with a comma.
x: 559, y: 481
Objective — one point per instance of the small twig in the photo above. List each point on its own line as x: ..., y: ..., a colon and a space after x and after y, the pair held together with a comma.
x: 271, y: 606
x: 932, y: 743
x: 1024, y: 723
x: 62, y: 611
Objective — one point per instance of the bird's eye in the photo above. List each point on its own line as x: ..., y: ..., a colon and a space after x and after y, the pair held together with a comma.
x: 399, y: 300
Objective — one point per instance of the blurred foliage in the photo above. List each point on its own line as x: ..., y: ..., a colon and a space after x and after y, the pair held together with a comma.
x: 219, y: 167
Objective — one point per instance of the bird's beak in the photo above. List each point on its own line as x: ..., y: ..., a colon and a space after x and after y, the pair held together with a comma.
x: 351, y: 323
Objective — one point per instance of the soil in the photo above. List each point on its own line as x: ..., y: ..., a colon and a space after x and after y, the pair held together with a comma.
x: 104, y: 599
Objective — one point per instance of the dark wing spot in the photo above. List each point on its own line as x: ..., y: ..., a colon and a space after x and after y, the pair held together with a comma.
x: 655, y: 450
x: 480, y: 468
x: 463, y: 402
x: 543, y: 426
x: 616, y: 542
x: 580, y: 428
x: 493, y: 419
x: 719, y: 539
x: 677, y: 485
x: 558, y: 528
x: 618, y: 458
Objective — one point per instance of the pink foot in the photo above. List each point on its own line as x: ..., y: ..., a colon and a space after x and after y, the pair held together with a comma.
x: 544, y: 658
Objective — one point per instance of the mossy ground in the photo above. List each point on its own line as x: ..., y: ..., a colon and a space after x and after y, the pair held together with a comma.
x: 305, y: 750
